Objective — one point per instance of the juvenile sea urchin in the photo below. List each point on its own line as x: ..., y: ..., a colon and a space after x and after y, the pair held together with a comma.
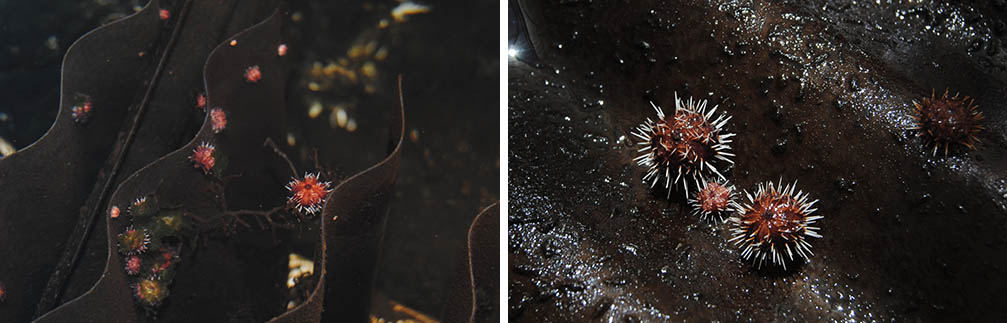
x: 714, y: 200
x: 133, y: 265
x: 947, y: 120
x: 202, y: 157
x: 773, y: 222
x: 133, y: 241
x: 150, y: 291
x: 686, y: 142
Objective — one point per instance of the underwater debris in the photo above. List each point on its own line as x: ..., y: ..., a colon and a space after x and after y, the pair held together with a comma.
x: 6, y: 149
x: 408, y: 8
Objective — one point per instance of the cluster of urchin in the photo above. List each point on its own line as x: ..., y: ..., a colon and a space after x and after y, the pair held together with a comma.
x: 687, y: 143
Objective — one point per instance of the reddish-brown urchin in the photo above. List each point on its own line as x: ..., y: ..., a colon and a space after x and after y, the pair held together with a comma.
x: 948, y: 120
x: 714, y: 200
x: 202, y: 157
x: 773, y: 222
x: 308, y: 194
x: 133, y: 241
x: 150, y: 291
x: 686, y: 142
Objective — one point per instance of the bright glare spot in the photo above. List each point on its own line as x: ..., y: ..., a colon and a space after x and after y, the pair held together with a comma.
x: 512, y: 52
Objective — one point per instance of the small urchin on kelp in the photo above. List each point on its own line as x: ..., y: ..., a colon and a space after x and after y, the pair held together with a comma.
x: 165, y: 138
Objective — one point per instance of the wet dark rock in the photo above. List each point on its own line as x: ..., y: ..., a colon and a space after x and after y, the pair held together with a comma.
x: 878, y: 233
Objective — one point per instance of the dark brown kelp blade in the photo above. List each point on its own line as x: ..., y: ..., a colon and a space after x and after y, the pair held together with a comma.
x: 169, y: 120
x: 43, y: 186
x: 224, y: 279
x: 474, y: 297
x: 351, y: 243
x: 138, y: 69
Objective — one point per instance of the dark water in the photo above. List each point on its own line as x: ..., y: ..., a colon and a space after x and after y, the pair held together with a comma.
x: 450, y: 165
x: 819, y: 93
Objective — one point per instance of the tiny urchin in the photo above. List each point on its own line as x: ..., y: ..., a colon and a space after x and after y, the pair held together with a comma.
x: 686, y: 143
x: 714, y: 200
x: 947, y: 120
x: 774, y: 222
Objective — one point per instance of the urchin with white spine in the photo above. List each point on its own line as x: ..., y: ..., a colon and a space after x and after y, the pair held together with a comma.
x: 773, y: 223
x: 684, y: 144
x: 714, y: 200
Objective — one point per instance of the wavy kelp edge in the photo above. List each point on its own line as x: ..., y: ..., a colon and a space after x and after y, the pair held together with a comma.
x: 113, y: 287
x: 475, y: 294
x: 46, y: 183
x: 353, y: 222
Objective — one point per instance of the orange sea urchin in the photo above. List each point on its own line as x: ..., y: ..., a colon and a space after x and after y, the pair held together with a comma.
x: 308, y: 194
x: 948, y: 120
x: 773, y: 222
x: 686, y: 142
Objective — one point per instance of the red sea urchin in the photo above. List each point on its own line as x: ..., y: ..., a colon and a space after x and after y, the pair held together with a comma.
x: 253, y: 74
x: 774, y: 221
x: 714, y: 200
x: 219, y: 119
x: 686, y: 142
x: 947, y: 120
x: 133, y: 265
x: 202, y: 157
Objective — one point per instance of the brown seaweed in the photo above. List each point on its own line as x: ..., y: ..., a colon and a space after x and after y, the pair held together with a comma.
x: 477, y: 286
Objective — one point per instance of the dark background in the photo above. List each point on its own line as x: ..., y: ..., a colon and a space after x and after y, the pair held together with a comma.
x: 450, y: 169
